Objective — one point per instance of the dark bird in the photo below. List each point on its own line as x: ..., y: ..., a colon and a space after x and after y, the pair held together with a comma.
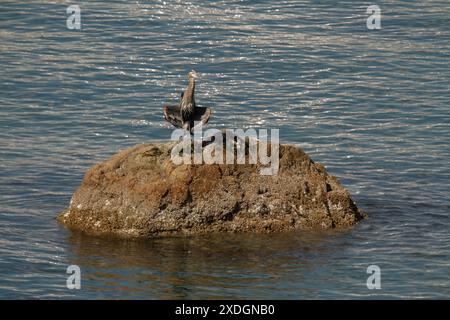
x: 187, y: 104
x: 187, y: 113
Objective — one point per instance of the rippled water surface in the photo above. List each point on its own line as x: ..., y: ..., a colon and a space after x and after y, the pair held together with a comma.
x: 371, y: 105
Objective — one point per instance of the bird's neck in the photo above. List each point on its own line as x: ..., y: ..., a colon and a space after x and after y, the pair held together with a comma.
x: 189, y: 93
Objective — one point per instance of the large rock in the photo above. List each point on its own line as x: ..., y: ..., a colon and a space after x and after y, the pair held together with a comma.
x: 139, y: 192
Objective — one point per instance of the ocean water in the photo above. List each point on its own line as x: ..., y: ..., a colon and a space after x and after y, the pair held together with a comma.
x: 372, y: 105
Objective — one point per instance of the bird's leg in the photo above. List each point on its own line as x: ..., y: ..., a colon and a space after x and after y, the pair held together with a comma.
x: 187, y: 127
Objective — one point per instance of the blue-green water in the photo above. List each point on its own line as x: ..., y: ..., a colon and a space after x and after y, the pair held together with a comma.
x: 372, y: 105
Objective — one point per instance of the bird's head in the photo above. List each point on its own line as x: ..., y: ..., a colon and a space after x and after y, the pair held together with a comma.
x: 192, y: 75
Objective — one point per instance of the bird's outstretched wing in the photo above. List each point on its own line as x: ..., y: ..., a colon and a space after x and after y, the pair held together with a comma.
x: 172, y: 114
